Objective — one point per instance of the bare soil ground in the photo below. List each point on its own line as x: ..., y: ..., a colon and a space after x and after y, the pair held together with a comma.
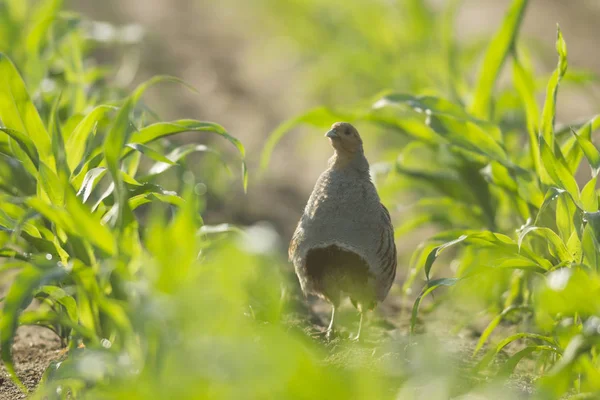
x: 34, y: 349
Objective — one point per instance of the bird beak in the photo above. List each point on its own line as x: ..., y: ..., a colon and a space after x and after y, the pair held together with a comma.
x: 332, y: 134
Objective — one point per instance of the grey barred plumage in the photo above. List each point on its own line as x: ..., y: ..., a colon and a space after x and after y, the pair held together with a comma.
x: 344, y: 242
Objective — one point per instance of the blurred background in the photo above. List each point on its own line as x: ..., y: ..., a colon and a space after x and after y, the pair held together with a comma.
x: 258, y: 63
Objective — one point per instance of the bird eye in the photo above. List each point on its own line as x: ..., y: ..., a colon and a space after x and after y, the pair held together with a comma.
x: 346, y: 133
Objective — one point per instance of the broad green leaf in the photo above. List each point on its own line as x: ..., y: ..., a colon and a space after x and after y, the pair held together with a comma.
x: 33, y: 160
x: 549, y: 111
x: 88, y: 226
x: 591, y: 248
x: 78, y: 138
x: 51, y: 185
x: 496, y: 54
x: 17, y: 112
x: 589, y: 196
x: 588, y: 148
x: 559, y: 248
x: 566, y: 217
x: 164, y: 129
x: 558, y: 171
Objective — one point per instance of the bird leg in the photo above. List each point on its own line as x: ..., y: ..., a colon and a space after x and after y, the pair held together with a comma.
x: 357, y: 337
x: 330, y: 332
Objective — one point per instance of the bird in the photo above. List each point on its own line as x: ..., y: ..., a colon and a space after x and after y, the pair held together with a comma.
x: 344, y: 244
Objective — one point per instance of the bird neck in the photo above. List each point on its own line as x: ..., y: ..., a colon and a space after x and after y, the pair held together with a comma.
x: 353, y: 160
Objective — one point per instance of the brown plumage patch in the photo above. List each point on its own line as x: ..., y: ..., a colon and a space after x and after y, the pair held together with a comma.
x: 333, y: 271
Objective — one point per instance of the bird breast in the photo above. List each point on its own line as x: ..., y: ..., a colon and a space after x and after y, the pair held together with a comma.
x: 343, y: 209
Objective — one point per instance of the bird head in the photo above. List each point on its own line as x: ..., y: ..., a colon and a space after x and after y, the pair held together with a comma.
x: 344, y: 138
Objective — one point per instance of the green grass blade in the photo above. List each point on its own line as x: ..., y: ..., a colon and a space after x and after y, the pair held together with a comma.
x: 495, y: 322
x: 430, y: 287
x: 524, y: 82
x: 549, y: 111
x: 435, y: 253
x: 506, y: 341
x: 150, y: 152
x: 499, y: 47
x: 509, y: 366
x: 56, y: 136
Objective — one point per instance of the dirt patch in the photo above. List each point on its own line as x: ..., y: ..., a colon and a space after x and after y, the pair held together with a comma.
x: 33, y: 350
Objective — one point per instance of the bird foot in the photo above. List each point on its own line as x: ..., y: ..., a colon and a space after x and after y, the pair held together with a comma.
x: 356, y: 338
x: 330, y: 335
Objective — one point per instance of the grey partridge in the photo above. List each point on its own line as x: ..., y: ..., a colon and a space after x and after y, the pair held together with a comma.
x: 344, y: 242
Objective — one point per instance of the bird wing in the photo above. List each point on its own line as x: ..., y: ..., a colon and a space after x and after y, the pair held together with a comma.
x: 386, y: 254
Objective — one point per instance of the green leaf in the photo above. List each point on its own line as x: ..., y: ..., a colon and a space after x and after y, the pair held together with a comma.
x: 589, y: 196
x: 28, y: 147
x: 435, y: 253
x: 159, y: 130
x: 590, y: 248
x: 556, y: 167
x: 547, y: 234
x: 56, y: 135
x: 17, y: 112
x: 430, y: 287
x: 88, y: 226
x: 588, y: 148
x: 52, y: 185
x: 499, y: 47
x: 150, y: 152
x: 88, y: 185
x: 58, y: 295
x: 495, y: 322
x: 509, y: 366
x: 78, y: 138
x: 524, y: 82
x: 549, y: 111
x: 505, y: 342
x: 181, y: 152
x: 19, y: 296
